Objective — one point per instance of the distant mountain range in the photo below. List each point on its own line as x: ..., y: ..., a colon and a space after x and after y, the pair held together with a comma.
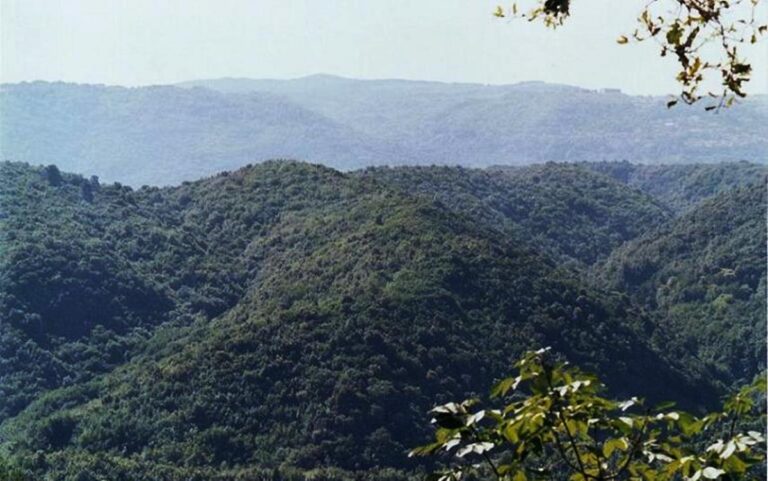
x: 166, y: 134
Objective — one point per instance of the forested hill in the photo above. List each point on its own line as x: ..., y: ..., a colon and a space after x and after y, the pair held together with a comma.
x: 567, y: 210
x: 286, y: 320
x: 682, y: 187
x: 163, y: 135
x: 705, y: 275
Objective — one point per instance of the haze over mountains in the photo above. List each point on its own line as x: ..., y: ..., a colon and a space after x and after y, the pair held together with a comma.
x: 205, y: 312
x: 166, y: 134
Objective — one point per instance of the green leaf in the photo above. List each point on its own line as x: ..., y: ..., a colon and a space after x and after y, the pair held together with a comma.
x: 503, y: 386
x: 612, y: 445
x: 730, y: 448
x: 511, y: 434
x: 674, y: 34
x: 425, y: 450
x: 667, y: 404
x: 475, y: 418
x: 735, y: 465
x: 712, y: 473
x: 624, y: 405
x: 477, y: 448
x: 688, y: 424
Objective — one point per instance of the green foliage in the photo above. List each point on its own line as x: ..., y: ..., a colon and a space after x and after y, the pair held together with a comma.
x: 353, y: 319
x: 84, y: 283
x: 683, y: 187
x: 572, y: 213
x: 8, y: 472
x: 287, y: 320
x: 704, y: 275
x: 554, y: 422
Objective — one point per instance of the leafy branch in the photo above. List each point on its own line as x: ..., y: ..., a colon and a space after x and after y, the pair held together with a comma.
x: 704, y: 37
x: 557, y: 421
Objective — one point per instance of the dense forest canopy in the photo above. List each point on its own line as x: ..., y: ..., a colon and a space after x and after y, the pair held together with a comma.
x: 290, y: 321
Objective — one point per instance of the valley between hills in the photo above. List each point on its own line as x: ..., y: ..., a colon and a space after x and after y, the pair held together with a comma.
x: 287, y: 320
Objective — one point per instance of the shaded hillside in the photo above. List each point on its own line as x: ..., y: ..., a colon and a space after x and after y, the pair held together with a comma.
x: 361, y: 316
x: 163, y: 135
x: 307, y: 318
x: 63, y: 277
x: 86, y: 268
x: 704, y: 275
x: 682, y: 187
x: 569, y: 211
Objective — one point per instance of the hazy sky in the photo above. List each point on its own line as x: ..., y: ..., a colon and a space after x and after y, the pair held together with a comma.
x: 139, y: 42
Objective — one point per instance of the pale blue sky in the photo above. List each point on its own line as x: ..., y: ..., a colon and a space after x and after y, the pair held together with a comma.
x: 139, y: 42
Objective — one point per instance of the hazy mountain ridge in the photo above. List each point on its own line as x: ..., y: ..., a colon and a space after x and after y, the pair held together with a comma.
x: 479, y: 125
x: 165, y: 134
x: 315, y: 315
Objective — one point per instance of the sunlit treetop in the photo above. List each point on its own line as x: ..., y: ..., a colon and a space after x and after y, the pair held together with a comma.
x: 704, y: 37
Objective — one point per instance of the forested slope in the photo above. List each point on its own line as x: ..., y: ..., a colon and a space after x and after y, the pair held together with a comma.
x: 78, y: 256
x: 704, y: 275
x: 681, y: 187
x: 287, y: 318
x: 570, y: 211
